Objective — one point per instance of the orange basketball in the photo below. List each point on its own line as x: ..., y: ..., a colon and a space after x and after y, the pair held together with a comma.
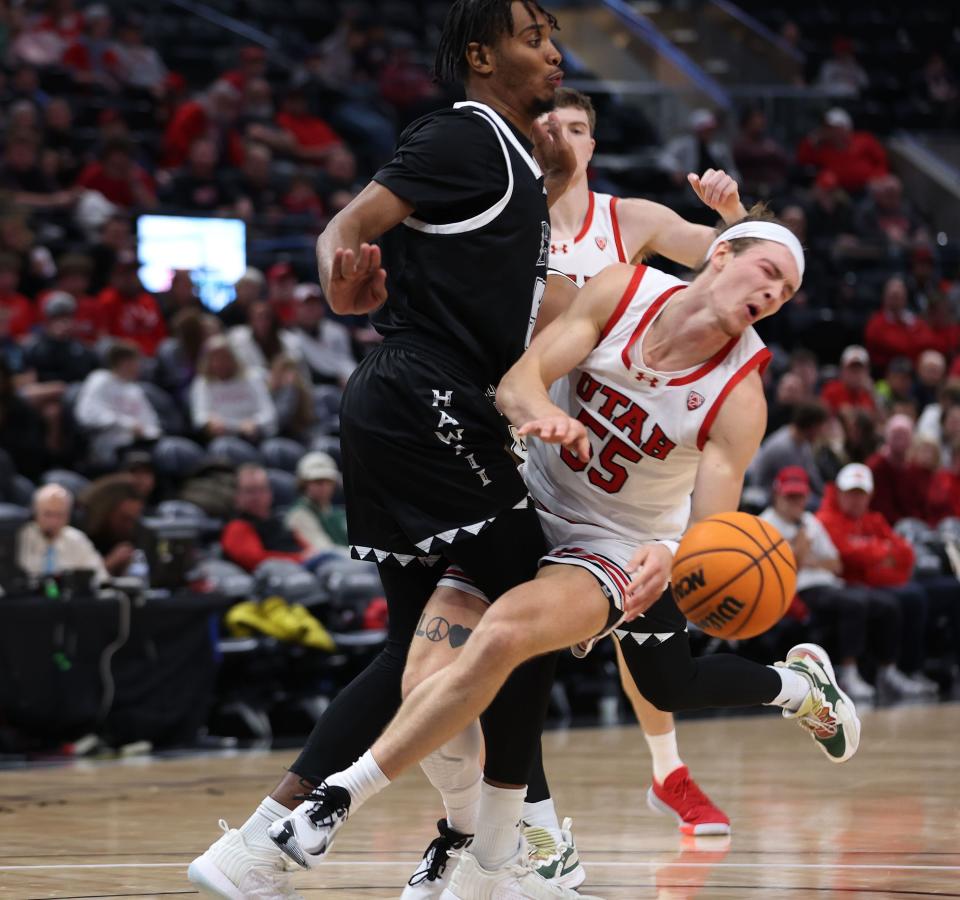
x: 734, y: 575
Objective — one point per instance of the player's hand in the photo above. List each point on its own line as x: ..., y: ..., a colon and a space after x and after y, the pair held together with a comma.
x: 357, y: 281
x: 562, y: 430
x: 554, y: 155
x: 650, y: 571
x: 719, y: 191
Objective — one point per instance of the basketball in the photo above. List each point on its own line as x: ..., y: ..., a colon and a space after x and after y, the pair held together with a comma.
x: 734, y: 575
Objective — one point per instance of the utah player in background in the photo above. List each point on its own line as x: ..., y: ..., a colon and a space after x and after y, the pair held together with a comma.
x: 651, y: 388
x: 590, y: 231
x: 462, y: 211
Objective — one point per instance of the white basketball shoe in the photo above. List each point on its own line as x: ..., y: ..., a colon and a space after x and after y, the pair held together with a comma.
x: 307, y: 833
x: 436, y: 868
x: 234, y: 870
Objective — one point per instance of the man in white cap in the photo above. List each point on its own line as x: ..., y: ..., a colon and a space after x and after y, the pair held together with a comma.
x: 314, y: 520
x: 698, y: 150
x: 324, y: 344
x: 853, y: 389
x: 643, y: 404
x: 855, y: 157
x: 873, y: 554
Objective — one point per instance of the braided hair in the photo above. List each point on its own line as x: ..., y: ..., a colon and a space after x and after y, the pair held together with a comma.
x: 476, y: 21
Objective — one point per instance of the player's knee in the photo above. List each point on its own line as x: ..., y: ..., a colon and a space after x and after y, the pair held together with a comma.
x: 501, y: 641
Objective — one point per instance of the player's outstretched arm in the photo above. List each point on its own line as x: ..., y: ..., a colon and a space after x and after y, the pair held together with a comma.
x: 349, y: 265
x: 650, y: 227
x: 523, y: 393
x: 733, y: 441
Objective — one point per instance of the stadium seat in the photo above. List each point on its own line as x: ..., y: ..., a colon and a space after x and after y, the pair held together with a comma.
x: 284, y: 487
x: 282, y: 453
x: 234, y: 449
x: 177, y: 456
x: 72, y: 481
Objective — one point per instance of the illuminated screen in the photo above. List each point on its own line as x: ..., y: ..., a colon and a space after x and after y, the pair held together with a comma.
x: 213, y: 250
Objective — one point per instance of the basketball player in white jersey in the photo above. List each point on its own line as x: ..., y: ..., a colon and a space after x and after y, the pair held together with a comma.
x: 655, y: 410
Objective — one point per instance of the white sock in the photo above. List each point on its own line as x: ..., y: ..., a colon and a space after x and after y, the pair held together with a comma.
x: 543, y: 814
x: 666, y: 756
x: 793, y: 689
x: 455, y: 771
x: 497, y: 838
x: 363, y: 779
x: 254, y: 830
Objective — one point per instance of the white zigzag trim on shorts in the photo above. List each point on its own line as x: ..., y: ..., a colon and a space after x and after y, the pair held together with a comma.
x: 454, y: 534
x: 641, y: 639
x: 371, y: 554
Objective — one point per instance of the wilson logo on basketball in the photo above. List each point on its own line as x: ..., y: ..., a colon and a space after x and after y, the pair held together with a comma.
x: 725, y: 612
x: 601, y: 243
x: 689, y: 583
x: 694, y: 400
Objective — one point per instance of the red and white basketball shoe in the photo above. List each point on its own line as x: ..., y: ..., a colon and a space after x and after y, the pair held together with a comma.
x: 680, y: 796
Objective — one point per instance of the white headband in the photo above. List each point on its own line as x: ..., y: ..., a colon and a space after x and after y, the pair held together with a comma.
x: 765, y: 231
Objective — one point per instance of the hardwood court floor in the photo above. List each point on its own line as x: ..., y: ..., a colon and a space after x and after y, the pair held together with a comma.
x: 883, y: 825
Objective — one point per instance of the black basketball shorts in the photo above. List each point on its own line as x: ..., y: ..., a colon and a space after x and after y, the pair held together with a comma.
x: 425, y: 459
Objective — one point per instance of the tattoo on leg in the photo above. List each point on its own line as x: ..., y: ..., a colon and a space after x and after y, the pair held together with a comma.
x: 438, y: 629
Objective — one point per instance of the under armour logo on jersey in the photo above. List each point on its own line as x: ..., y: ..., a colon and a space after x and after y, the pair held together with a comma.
x: 445, y: 398
x: 652, y: 380
x: 694, y: 400
x: 601, y: 243
x: 558, y: 248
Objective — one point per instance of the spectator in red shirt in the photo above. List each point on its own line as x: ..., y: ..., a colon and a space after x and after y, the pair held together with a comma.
x: 129, y: 311
x: 853, y: 388
x: 316, y: 141
x: 20, y: 311
x: 253, y: 64
x: 893, y: 330
x: 74, y: 271
x: 256, y: 534
x: 873, y: 554
x: 281, y: 289
x: 92, y: 57
x: 901, y: 486
x: 941, y: 331
x: 119, y: 178
x: 214, y: 115
x: 855, y: 157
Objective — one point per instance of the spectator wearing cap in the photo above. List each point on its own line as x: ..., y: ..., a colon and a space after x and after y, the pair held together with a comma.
x: 129, y: 312
x: 853, y: 389
x: 841, y: 75
x: 901, y: 487
x: 873, y: 554
x: 20, y: 312
x: 317, y: 523
x: 893, y: 330
x: 281, y: 285
x: 701, y: 148
x: 212, y: 115
x: 256, y: 534
x: 202, y: 185
x: 49, y: 545
x: 74, y: 272
x: 263, y: 340
x: 113, y: 408
x: 227, y: 397
x: 120, y: 179
x: 52, y: 351
x: 895, y: 389
x: 325, y: 345
x: 792, y: 445
x: 854, y: 157
x: 856, y: 611
x: 249, y: 289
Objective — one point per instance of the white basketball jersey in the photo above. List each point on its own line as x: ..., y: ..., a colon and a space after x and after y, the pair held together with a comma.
x: 647, y: 429
x: 598, y: 245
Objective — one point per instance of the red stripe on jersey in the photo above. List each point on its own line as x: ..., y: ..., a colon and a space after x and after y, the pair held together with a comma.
x: 616, y: 575
x: 758, y: 361
x: 621, y: 308
x: 616, y: 230
x: 587, y: 220
x: 707, y: 367
x: 652, y: 310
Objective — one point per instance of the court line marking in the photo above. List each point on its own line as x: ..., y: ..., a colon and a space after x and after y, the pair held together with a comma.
x: 647, y: 864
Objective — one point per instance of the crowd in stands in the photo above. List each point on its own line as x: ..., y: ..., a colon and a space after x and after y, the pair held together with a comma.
x: 115, y: 401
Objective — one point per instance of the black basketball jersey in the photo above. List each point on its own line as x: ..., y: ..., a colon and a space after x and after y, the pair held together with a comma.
x: 467, y: 270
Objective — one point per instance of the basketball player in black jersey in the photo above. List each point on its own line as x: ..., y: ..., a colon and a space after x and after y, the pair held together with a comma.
x: 462, y: 216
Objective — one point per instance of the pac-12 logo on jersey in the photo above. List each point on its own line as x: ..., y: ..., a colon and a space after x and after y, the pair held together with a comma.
x: 601, y: 243
x: 694, y: 401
